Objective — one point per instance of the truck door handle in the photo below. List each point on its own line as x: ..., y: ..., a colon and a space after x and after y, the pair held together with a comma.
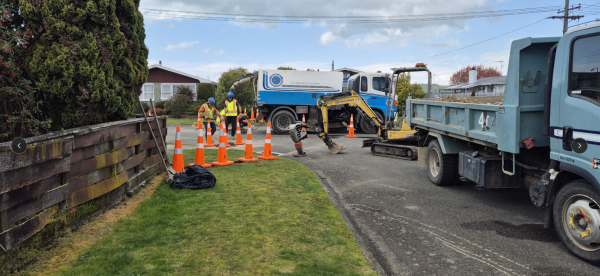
x: 374, y: 98
x: 567, y: 138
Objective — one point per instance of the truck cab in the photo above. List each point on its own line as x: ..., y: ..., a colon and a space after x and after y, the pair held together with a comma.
x: 374, y: 89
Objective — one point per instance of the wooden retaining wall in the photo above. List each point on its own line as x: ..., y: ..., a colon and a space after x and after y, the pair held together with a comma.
x: 65, y: 169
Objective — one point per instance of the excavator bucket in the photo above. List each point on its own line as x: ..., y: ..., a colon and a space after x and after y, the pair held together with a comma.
x: 333, y: 147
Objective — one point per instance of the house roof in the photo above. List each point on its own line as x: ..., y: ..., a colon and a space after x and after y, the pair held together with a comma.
x: 347, y: 69
x: 202, y: 80
x: 480, y: 82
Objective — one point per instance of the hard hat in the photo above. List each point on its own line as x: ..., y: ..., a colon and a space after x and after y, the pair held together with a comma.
x: 230, y: 95
x: 211, y: 100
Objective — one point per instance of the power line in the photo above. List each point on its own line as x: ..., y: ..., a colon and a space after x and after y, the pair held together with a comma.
x: 161, y: 13
x: 468, y: 46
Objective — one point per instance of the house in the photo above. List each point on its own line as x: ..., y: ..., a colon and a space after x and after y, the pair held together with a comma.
x: 492, y: 86
x: 347, y: 73
x: 162, y: 82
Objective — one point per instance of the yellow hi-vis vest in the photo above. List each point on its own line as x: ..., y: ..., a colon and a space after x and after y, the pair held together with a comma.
x: 208, y: 111
x: 231, y: 108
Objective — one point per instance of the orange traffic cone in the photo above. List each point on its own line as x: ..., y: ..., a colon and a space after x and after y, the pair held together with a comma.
x: 178, y: 157
x: 224, y: 130
x: 267, y: 152
x: 244, y: 111
x: 252, y: 119
x: 149, y: 112
x: 351, y: 128
x: 199, y: 126
x: 304, y: 122
x: 199, y: 159
x: 248, y: 157
x: 209, y: 139
x: 222, y: 159
x: 238, y: 134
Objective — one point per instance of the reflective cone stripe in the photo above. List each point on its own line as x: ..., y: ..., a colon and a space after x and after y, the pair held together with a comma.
x: 248, y: 156
x: 252, y: 119
x: 178, y: 154
x: 224, y: 130
x: 222, y: 159
x: 351, y: 128
x: 303, y: 128
x: 199, y: 126
x: 238, y: 134
x: 267, y: 152
x: 209, y: 138
x: 199, y: 159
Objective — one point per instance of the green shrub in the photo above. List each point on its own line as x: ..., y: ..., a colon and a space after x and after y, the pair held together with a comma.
x: 178, y: 105
x: 146, y: 107
x: 206, y: 90
x: 160, y: 104
x: 185, y: 90
x: 88, y: 57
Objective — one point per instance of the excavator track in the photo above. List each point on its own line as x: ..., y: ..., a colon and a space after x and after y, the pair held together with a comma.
x: 405, y: 152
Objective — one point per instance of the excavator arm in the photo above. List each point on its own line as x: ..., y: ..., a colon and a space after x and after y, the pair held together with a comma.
x: 351, y: 99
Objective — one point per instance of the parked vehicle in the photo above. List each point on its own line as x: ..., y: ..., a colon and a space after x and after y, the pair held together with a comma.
x: 545, y: 137
x: 283, y: 96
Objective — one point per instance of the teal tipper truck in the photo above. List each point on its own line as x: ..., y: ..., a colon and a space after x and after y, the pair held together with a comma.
x: 545, y: 137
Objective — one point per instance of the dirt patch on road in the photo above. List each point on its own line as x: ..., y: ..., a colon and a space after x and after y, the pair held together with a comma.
x: 77, y: 240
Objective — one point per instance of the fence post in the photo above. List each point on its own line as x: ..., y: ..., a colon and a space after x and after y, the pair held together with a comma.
x: 3, y: 216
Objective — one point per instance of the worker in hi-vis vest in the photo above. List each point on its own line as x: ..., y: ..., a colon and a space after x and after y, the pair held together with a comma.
x: 209, y: 111
x: 232, y: 109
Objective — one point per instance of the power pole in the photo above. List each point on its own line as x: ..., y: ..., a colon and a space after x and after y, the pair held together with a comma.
x: 501, y: 61
x: 566, y: 17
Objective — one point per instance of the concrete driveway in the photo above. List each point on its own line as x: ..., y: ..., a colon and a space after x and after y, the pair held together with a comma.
x: 407, y: 226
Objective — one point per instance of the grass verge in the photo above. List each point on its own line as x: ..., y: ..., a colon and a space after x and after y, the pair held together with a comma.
x: 182, y: 121
x: 265, y: 218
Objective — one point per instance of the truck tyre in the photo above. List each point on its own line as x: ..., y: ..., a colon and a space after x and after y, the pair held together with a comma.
x: 367, y: 126
x: 577, y: 220
x: 441, y: 168
x: 282, y: 120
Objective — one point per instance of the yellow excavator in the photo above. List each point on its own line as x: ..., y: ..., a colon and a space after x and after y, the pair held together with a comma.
x: 390, y: 142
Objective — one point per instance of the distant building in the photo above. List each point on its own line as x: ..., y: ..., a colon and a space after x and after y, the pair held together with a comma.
x: 493, y: 86
x: 482, y: 87
x: 347, y: 73
x: 162, y: 83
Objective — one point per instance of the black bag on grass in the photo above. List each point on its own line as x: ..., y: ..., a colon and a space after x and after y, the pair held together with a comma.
x: 194, y: 178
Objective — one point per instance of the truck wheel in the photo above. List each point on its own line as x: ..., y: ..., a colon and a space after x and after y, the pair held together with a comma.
x: 367, y: 126
x: 441, y: 168
x: 282, y: 120
x: 577, y: 220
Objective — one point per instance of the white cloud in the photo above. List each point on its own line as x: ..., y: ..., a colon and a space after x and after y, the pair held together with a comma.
x: 327, y: 38
x: 208, y: 51
x: 350, y: 34
x: 182, y: 45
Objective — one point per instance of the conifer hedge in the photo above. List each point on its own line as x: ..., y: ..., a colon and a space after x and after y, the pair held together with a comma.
x: 88, y: 58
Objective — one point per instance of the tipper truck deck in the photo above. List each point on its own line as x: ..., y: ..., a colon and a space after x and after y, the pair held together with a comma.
x: 544, y: 137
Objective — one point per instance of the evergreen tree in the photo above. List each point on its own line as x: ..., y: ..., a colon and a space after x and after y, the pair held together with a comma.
x: 244, y: 94
x: 88, y: 58
x: 404, y: 88
x: 205, y: 91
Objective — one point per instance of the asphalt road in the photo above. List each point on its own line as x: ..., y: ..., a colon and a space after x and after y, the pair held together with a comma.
x: 407, y: 226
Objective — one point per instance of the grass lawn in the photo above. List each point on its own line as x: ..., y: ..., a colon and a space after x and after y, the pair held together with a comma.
x: 183, y: 121
x: 265, y: 218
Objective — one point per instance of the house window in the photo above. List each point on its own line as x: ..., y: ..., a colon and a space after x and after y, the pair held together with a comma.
x: 168, y: 90
x: 147, y: 92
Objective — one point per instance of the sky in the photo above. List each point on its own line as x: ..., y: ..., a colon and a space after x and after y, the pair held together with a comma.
x: 206, y: 48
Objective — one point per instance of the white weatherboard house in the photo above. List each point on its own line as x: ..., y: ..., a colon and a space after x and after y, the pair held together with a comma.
x: 162, y: 82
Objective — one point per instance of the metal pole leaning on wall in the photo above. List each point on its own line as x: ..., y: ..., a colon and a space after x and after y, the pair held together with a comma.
x: 154, y: 137
x: 159, y: 128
